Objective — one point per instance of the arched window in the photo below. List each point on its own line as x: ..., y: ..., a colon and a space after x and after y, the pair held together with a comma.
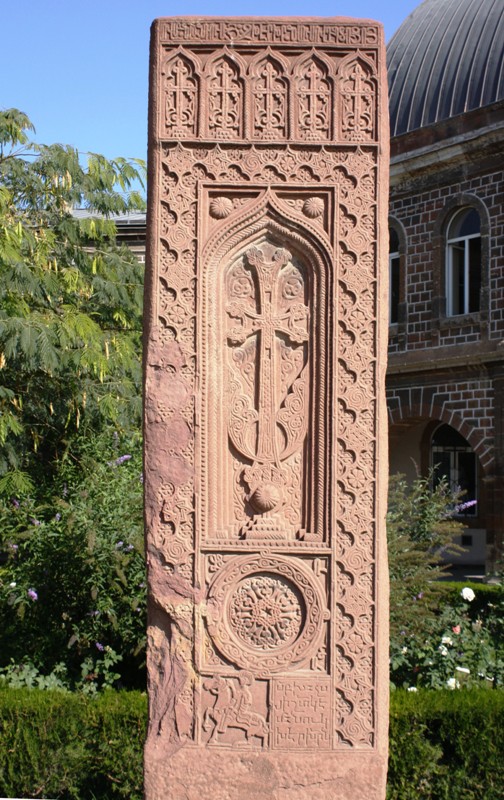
x: 394, y: 276
x: 455, y: 460
x: 463, y: 263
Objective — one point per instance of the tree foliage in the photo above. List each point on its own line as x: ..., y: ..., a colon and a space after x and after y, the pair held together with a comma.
x: 70, y: 301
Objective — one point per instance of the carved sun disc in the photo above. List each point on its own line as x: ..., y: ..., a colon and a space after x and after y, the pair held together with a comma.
x: 221, y: 207
x: 266, y: 612
x: 313, y: 207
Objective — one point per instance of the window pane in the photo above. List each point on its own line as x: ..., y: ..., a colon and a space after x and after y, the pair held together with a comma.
x: 467, y: 475
x: 464, y: 223
x: 456, y: 299
x: 474, y: 273
x: 394, y: 289
x: 393, y: 241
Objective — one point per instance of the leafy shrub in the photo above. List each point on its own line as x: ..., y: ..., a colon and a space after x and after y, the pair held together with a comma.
x: 446, y: 745
x: 69, y: 746
x: 438, y: 638
x: 420, y: 529
x: 72, y: 588
x: 459, y: 646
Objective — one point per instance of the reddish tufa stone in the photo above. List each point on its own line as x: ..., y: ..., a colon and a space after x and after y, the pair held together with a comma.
x: 264, y: 410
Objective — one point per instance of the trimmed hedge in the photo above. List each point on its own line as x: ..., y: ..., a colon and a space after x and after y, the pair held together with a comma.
x: 448, y: 592
x: 443, y: 745
x: 446, y: 745
x: 71, y: 746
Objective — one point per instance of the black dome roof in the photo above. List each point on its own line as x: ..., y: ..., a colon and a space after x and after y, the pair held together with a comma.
x: 446, y: 58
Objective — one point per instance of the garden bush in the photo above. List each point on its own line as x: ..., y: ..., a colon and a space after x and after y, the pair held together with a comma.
x: 72, y: 582
x: 70, y: 746
x: 460, y: 643
x: 446, y: 745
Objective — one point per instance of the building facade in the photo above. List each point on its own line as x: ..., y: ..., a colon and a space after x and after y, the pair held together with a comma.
x: 446, y: 344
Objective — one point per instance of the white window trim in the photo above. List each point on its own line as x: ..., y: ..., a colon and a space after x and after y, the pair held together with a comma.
x: 449, y: 273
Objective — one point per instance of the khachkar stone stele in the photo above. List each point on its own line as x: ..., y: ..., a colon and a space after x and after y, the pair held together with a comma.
x: 264, y: 403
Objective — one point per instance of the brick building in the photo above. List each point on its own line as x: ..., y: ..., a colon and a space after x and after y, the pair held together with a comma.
x: 446, y: 353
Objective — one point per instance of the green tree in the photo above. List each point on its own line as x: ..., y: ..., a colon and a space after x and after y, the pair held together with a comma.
x: 70, y: 302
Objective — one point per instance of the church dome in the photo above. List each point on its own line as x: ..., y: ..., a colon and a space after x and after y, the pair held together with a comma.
x: 446, y: 58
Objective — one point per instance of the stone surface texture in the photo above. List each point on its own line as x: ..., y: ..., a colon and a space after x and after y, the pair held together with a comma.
x: 265, y: 456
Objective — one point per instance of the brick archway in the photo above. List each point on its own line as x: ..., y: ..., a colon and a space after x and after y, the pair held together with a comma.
x: 402, y: 411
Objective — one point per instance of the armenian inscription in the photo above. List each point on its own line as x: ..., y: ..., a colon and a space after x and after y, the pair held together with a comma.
x: 264, y: 372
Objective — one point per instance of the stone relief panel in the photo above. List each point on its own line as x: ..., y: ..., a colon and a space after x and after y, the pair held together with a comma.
x: 262, y: 381
x: 270, y: 94
x: 186, y: 170
x: 235, y: 711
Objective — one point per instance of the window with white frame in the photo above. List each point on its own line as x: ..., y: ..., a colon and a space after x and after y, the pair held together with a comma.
x: 463, y: 263
x: 454, y: 460
x: 394, y: 276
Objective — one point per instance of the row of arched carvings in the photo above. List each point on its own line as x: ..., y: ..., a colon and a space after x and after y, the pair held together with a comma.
x: 268, y: 97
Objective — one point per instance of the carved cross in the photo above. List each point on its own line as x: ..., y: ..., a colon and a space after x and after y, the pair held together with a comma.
x: 314, y: 96
x: 360, y: 94
x: 267, y: 324
x: 270, y: 96
x: 225, y: 93
x: 181, y: 95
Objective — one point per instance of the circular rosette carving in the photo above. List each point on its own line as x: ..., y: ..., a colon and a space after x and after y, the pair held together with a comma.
x: 221, y: 207
x: 266, y: 613
x: 313, y: 207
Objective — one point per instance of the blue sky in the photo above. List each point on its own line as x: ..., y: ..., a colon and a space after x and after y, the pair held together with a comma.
x: 80, y: 69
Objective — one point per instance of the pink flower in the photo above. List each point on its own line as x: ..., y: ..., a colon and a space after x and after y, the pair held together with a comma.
x: 456, y: 629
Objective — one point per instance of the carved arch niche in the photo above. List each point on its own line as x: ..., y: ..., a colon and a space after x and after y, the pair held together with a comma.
x: 357, y: 92
x: 180, y: 95
x: 223, y: 100
x: 313, y: 98
x: 264, y: 334
x: 269, y: 90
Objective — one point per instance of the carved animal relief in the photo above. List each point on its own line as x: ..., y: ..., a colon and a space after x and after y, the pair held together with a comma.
x: 264, y: 400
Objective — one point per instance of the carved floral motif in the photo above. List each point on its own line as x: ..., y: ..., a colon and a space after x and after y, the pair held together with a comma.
x: 266, y: 611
